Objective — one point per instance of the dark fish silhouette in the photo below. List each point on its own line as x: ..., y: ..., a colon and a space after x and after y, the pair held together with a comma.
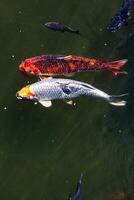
x: 56, y: 26
x: 77, y: 194
x: 122, y: 16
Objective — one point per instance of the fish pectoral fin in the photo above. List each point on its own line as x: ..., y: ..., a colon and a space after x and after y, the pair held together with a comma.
x: 116, y: 72
x: 70, y: 102
x: 44, y: 78
x: 46, y: 104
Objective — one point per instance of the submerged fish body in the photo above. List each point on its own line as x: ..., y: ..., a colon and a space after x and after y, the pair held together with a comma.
x: 77, y: 194
x: 51, y: 65
x: 56, y: 26
x: 122, y: 15
x: 64, y: 89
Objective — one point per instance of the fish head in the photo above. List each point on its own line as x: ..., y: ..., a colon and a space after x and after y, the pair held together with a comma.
x: 25, y: 94
x: 29, y: 69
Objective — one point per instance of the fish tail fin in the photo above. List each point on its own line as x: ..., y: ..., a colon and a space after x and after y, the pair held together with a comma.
x: 115, y: 66
x: 77, y: 32
x: 117, y: 100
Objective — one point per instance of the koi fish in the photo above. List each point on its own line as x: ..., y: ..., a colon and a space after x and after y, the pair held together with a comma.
x: 64, y: 89
x: 50, y: 65
x: 56, y: 26
x: 77, y: 194
x: 122, y: 15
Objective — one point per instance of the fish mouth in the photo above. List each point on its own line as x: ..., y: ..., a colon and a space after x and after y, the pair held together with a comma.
x: 25, y: 98
x: 20, y: 97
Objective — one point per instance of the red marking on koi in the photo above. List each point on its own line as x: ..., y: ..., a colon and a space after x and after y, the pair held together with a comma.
x: 56, y: 65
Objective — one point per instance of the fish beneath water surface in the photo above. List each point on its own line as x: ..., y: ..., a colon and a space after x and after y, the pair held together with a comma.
x: 56, y: 26
x: 122, y: 15
x: 64, y: 89
x: 77, y: 194
x: 50, y: 65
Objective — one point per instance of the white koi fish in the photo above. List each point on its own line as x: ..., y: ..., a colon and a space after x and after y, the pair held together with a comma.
x: 64, y: 89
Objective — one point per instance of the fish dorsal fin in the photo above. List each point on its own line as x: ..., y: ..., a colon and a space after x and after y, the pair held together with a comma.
x: 70, y: 57
x: 69, y: 102
x: 46, y: 104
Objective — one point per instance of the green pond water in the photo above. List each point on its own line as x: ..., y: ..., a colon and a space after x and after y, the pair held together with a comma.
x: 43, y: 151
